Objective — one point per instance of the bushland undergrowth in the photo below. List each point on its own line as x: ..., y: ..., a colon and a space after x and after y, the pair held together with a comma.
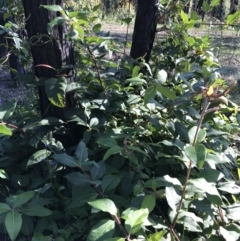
x: 155, y: 161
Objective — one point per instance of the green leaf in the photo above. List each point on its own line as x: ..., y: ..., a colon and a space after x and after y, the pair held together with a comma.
x: 161, y: 77
x: 190, y: 221
x: 109, y: 182
x: 7, y: 109
x: 126, y: 20
x: 81, y: 152
x: 209, y: 188
x: 200, y: 135
x: 206, y: 7
x: 38, y: 156
x: 157, y: 236
x: 98, y: 170
x: 166, y: 92
x: 232, y: 18
x: 81, y: 196
x: 56, y: 90
x: 214, y: 3
x: 96, y: 7
x: 133, y: 99
x: 150, y: 93
x: 35, y: 210
x: 115, y: 239
x: 136, y: 81
x: 148, y: 202
x: 27, y: 225
x: 102, y: 231
x: 210, y: 175
x: 169, y: 181
x: 13, y: 223
x: 173, y: 197
x: 229, y: 187
x: 196, y: 154
x: 21, y: 198
x: 181, y: 130
x: 113, y: 150
x: 97, y: 27
x: 94, y: 122
x: 233, y: 211
x: 184, y: 16
x: 65, y: 159
x: 135, y: 71
x: 54, y: 8
x: 229, y: 235
x: 107, y: 142
x: 135, y: 219
x: 4, y: 208
x: 78, y: 179
x: 40, y: 237
x: 4, y: 130
x: 56, y: 21
x: 105, y: 205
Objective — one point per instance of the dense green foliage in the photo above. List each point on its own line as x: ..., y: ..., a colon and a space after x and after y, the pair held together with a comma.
x: 155, y: 161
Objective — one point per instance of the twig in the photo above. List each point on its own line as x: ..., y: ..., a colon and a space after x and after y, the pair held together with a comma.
x: 189, y: 166
x: 98, y: 72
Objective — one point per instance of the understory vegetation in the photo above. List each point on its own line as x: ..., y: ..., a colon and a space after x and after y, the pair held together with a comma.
x: 156, y: 160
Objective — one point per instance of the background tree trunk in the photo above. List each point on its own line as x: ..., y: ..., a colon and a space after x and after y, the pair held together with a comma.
x: 144, y: 29
x: 52, y: 50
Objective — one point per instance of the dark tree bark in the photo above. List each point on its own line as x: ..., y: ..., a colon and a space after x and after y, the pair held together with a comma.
x: 2, y: 38
x: 144, y: 29
x: 234, y: 6
x: 53, y: 50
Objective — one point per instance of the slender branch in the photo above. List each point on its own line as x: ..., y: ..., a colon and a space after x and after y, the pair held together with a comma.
x: 98, y: 72
x: 190, y: 165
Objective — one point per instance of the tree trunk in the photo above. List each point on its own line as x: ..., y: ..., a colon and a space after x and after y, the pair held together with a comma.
x: 234, y: 6
x: 53, y: 50
x: 144, y: 29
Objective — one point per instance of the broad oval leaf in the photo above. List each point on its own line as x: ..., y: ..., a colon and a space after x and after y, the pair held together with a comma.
x: 35, y: 210
x: 81, y: 152
x: 149, y: 202
x: 161, y: 76
x: 65, y: 159
x: 135, y: 219
x: 200, y: 135
x: 56, y: 90
x: 38, y: 156
x: 4, y: 130
x: 78, y: 179
x: 166, y: 92
x: 13, y: 223
x: 109, y: 182
x: 173, y: 197
x: 4, y: 208
x: 21, y: 198
x: 98, y: 170
x: 54, y: 8
x: 150, y: 93
x: 113, y: 150
x: 196, y: 154
x: 105, y: 205
x: 102, y: 231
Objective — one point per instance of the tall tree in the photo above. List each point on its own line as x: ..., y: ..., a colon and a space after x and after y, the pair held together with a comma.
x: 144, y: 29
x: 52, y: 50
